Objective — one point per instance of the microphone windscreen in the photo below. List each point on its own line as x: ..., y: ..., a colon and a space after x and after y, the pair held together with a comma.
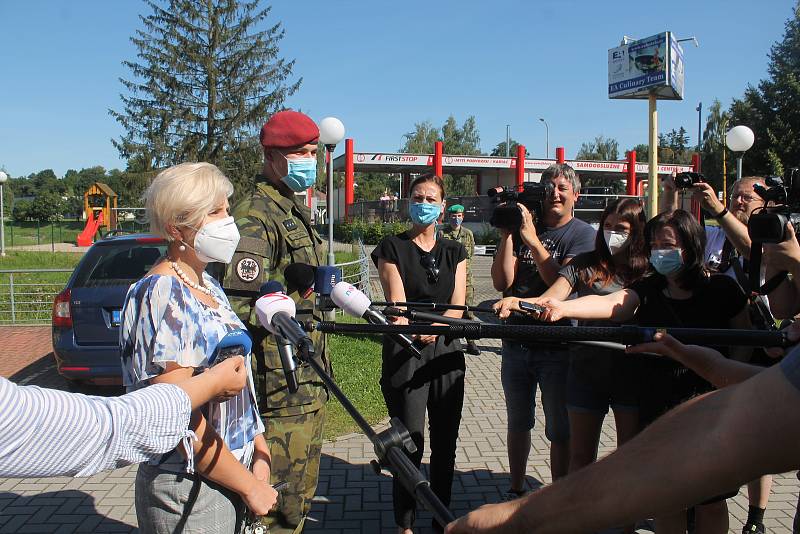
x: 326, y: 278
x: 270, y: 304
x: 299, y: 276
x: 352, y: 301
x: 271, y: 286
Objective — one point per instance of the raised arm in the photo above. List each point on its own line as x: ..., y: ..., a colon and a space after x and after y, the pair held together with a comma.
x: 618, y: 306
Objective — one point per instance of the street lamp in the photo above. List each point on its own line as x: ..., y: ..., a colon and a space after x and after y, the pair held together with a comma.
x: 331, y: 132
x: 699, y: 110
x: 547, y: 137
x: 739, y: 139
x: 3, y: 179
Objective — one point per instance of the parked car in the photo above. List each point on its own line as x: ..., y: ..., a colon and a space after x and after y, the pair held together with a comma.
x: 595, y: 197
x: 86, y: 314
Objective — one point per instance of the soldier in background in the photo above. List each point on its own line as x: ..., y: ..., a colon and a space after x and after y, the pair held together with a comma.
x: 456, y: 231
x: 275, y: 228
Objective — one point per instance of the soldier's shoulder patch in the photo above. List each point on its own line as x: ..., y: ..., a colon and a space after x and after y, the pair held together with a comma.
x: 289, y: 224
x: 248, y: 269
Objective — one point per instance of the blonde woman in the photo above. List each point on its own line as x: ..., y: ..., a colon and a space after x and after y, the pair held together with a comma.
x: 173, y: 320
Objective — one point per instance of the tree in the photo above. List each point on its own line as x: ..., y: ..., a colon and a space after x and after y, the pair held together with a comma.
x: 206, y: 76
x: 642, y: 152
x: 602, y: 148
x: 421, y: 140
x: 500, y: 149
x: 713, y: 145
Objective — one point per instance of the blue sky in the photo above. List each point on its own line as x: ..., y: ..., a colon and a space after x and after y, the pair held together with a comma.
x: 382, y: 66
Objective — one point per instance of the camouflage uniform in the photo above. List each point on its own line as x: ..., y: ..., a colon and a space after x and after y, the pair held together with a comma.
x: 464, y: 236
x: 275, y: 232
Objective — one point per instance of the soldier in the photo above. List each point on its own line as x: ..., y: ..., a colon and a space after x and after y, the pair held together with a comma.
x: 276, y: 231
x: 456, y: 231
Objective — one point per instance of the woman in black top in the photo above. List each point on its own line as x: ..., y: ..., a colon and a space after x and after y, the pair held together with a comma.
x: 415, y: 267
x: 680, y: 293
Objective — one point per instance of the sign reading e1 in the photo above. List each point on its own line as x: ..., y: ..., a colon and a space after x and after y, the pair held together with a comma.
x: 653, y: 65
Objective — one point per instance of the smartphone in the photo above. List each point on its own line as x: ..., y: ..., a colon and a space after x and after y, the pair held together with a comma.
x: 280, y: 486
x: 531, y: 308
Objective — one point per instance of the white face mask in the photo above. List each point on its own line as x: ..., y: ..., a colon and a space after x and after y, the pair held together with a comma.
x: 615, y: 240
x: 217, y: 241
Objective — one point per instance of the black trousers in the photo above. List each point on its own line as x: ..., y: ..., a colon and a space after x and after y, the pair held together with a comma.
x: 438, y: 385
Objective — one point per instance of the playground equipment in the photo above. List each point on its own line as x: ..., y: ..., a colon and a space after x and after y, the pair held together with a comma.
x: 101, y: 199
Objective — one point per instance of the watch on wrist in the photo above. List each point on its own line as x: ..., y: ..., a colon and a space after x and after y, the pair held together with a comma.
x: 721, y: 214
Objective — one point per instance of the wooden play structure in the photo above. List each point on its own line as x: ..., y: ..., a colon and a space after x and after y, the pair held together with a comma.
x: 100, y: 208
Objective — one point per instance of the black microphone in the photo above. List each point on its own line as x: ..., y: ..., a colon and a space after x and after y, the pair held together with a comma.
x: 415, y: 315
x: 300, y: 277
x: 275, y: 311
x: 307, y: 278
x: 356, y: 304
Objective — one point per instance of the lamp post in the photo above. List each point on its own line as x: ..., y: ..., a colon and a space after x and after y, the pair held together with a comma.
x: 3, y: 179
x: 699, y: 110
x: 508, y: 140
x: 331, y: 132
x: 739, y: 139
x: 547, y: 138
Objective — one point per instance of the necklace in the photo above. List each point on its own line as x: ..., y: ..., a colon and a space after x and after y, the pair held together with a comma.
x: 194, y: 285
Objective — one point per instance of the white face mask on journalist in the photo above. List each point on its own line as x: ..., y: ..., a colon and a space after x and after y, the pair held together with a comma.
x: 615, y: 240
x: 217, y: 241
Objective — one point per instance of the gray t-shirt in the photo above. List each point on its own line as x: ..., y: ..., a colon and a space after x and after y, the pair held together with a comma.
x: 585, y: 263
x: 566, y: 241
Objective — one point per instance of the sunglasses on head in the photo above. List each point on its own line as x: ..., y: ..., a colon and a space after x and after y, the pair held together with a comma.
x: 428, y: 262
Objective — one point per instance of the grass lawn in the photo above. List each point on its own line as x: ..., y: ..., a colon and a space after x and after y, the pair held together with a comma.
x: 356, y: 364
x: 33, y: 233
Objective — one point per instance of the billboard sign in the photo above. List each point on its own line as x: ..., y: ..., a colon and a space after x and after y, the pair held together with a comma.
x: 650, y: 65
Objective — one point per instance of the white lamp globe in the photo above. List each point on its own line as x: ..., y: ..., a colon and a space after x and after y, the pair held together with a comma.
x: 739, y: 138
x: 331, y: 131
x: 3, y: 177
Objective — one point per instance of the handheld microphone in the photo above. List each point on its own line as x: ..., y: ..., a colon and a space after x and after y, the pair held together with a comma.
x: 326, y: 277
x: 300, y: 276
x: 355, y: 303
x: 234, y: 343
x: 275, y: 311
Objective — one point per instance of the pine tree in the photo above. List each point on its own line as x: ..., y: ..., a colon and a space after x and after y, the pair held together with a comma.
x: 206, y: 77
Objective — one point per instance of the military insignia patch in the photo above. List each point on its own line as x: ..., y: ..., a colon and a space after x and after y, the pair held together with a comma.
x: 247, y: 269
x: 289, y: 224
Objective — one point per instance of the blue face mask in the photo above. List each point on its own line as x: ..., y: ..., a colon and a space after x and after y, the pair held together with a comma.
x: 302, y: 174
x: 455, y: 221
x: 666, y: 261
x: 425, y: 214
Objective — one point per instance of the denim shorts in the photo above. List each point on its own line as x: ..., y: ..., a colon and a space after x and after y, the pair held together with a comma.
x: 524, y: 368
x: 599, y: 378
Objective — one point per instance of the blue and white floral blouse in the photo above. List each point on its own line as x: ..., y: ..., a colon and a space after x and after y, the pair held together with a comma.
x: 162, y: 321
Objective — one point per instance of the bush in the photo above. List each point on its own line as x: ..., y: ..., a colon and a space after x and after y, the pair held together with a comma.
x: 369, y: 233
x: 487, y: 236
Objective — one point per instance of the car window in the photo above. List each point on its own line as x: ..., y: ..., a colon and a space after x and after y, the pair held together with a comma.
x: 117, y: 264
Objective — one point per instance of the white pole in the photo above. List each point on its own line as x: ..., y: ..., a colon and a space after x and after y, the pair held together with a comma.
x: 2, y: 225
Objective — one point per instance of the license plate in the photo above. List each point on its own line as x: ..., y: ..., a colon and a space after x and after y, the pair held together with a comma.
x: 116, y: 317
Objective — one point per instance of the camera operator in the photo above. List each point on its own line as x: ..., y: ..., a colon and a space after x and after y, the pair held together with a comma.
x: 526, y: 264
x: 727, y: 251
x: 784, y: 257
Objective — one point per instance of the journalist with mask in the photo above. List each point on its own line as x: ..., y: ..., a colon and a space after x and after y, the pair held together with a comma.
x: 173, y: 321
x: 276, y: 230
x: 680, y: 293
x: 415, y: 266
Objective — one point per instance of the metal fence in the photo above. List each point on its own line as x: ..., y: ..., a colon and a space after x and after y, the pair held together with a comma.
x: 356, y: 272
x: 26, y: 295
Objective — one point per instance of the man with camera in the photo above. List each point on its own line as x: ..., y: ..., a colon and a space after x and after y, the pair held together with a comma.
x: 526, y: 264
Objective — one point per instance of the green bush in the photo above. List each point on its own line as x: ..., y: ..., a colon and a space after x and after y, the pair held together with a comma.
x: 369, y: 233
x: 488, y: 235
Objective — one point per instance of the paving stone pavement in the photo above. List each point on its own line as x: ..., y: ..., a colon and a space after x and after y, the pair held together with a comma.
x: 358, y: 499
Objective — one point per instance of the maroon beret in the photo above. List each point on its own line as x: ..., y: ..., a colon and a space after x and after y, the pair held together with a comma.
x: 287, y: 129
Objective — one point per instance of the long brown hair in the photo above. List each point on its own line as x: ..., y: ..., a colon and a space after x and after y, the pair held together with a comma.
x: 605, y: 268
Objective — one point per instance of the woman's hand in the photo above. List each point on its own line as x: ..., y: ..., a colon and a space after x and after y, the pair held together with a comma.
x: 398, y: 320
x: 230, y: 376
x: 505, y: 306
x: 259, y: 497
x: 663, y: 344
x: 554, y: 309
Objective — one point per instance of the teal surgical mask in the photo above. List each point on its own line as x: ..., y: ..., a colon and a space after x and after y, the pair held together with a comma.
x: 302, y: 174
x: 666, y: 261
x: 424, y: 214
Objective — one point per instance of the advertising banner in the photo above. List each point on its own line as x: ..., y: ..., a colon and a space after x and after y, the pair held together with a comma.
x: 650, y: 65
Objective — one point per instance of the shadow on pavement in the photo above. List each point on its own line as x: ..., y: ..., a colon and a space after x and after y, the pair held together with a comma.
x: 62, y: 511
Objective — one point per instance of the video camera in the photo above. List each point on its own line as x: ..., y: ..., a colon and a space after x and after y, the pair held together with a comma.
x: 507, y: 215
x: 686, y: 180
x: 768, y: 225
